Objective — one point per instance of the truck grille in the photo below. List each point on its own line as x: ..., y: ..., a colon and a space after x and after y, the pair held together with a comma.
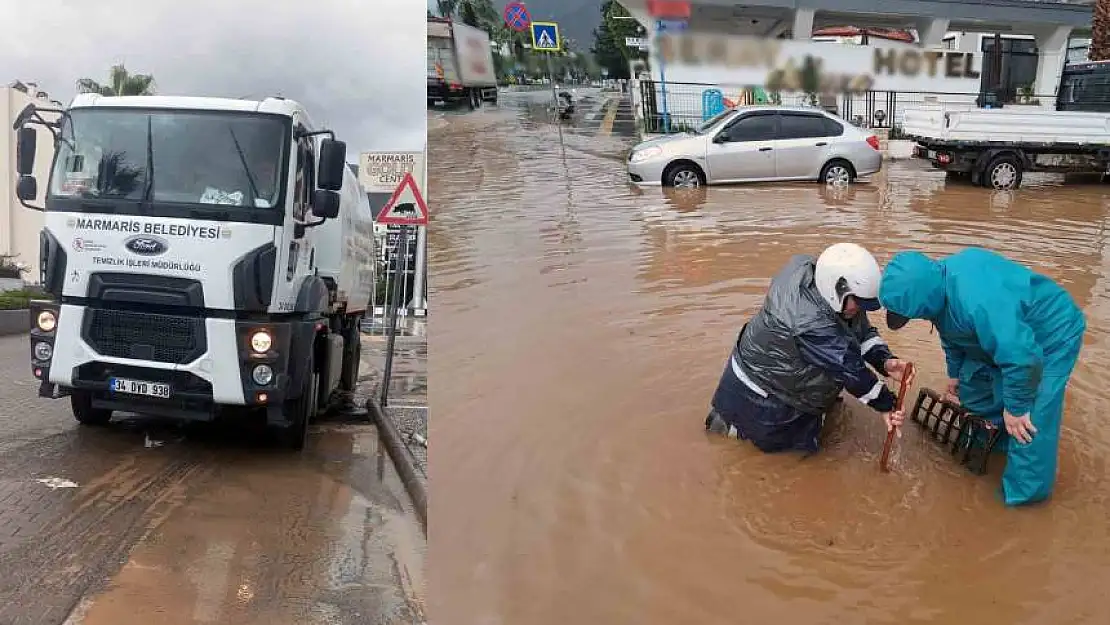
x: 145, y: 336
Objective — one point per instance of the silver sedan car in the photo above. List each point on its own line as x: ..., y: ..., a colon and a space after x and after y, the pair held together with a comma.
x: 758, y: 144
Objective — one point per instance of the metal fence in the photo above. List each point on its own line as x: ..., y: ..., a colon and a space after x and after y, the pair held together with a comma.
x: 689, y: 104
x: 392, y: 265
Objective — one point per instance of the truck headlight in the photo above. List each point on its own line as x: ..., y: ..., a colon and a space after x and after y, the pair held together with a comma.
x: 261, y: 341
x: 47, y: 321
x: 262, y: 375
x: 640, y: 156
x: 43, y: 351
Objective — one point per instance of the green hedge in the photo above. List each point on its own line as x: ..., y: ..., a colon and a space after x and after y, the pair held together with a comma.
x: 16, y: 300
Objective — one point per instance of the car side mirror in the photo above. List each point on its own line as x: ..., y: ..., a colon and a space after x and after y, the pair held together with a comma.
x: 26, y: 143
x: 333, y: 165
x: 27, y: 188
x: 721, y: 138
x: 325, y: 204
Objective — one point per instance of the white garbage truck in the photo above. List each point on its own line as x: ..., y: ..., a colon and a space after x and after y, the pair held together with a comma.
x: 460, y: 64
x: 203, y: 257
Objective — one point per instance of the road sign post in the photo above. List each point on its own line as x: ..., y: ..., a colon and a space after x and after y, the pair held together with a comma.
x: 394, y: 305
x: 405, y: 208
x: 545, y: 38
x: 670, y: 15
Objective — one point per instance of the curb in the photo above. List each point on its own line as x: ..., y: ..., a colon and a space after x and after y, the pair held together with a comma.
x: 387, y: 432
x: 14, y: 322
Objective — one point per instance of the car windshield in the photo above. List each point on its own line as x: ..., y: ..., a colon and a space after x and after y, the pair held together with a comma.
x: 194, y: 157
x: 712, y: 121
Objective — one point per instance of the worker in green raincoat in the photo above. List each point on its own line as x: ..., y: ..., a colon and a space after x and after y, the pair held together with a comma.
x: 1011, y: 338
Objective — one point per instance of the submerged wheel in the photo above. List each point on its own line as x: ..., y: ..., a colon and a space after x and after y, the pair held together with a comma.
x: 300, y: 411
x: 683, y: 176
x: 1003, y: 173
x: 837, y: 172
x: 81, y: 404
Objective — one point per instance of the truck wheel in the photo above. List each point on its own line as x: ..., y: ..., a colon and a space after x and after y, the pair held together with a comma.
x: 81, y: 404
x: 300, y: 411
x: 1004, y: 173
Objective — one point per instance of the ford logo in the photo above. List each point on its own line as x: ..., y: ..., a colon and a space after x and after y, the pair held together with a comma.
x: 145, y: 246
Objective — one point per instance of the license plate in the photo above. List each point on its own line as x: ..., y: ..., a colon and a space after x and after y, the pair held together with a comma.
x: 139, y: 387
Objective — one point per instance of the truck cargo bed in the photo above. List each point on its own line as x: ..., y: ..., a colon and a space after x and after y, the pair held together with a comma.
x: 1024, y: 126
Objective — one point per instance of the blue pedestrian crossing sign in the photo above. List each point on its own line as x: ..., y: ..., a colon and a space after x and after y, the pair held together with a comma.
x: 545, y: 37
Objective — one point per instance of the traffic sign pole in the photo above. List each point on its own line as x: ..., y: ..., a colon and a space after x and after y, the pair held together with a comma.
x: 394, y: 304
x: 545, y: 38
x: 663, y: 10
x: 663, y: 86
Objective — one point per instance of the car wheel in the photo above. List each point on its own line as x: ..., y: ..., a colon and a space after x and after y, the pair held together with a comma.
x: 683, y: 176
x: 1003, y: 173
x: 837, y: 172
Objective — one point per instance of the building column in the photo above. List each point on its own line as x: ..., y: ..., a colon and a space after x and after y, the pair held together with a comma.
x: 931, y: 31
x: 1052, y: 48
x: 803, y: 24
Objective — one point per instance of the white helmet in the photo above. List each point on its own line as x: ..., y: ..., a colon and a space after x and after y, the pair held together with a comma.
x: 848, y: 269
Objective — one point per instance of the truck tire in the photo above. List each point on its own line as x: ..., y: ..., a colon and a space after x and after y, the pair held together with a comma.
x: 300, y: 411
x: 1003, y: 173
x: 81, y: 404
x: 352, y: 357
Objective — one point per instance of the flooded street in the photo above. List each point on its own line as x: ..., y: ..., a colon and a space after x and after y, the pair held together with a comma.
x: 142, y: 522
x: 581, y: 327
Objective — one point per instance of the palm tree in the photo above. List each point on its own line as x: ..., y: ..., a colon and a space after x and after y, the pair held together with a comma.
x: 1100, y: 31
x: 121, y: 82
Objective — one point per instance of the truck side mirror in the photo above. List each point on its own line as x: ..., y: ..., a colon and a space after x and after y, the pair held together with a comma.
x: 27, y: 189
x: 325, y: 204
x: 26, y: 143
x: 333, y: 165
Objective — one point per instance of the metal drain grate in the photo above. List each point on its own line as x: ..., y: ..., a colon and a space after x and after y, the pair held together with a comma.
x: 970, y: 438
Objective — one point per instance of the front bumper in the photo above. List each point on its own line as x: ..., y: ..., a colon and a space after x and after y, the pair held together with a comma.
x: 219, y: 375
x: 647, y: 173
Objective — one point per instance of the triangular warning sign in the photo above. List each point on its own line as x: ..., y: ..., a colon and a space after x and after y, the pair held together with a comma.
x: 406, y: 207
x: 545, y: 40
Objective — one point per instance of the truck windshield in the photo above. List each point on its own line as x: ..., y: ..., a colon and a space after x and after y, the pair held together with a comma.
x: 194, y: 157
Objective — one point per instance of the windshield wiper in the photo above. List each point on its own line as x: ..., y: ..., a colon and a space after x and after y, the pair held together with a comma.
x: 148, y: 188
x: 246, y: 167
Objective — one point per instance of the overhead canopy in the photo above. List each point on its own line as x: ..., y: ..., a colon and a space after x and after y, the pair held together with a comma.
x: 771, y: 18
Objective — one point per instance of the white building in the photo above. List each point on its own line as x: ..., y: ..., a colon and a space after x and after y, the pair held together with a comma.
x: 20, y: 226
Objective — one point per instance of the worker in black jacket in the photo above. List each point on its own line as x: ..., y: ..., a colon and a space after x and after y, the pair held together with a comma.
x: 809, y: 341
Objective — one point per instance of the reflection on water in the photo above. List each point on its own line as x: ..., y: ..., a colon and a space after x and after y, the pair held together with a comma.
x: 580, y: 329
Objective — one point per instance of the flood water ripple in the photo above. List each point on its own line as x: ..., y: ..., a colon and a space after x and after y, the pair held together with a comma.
x: 580, y: 327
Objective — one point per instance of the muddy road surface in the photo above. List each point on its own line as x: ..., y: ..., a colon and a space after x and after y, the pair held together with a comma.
x: 581, y: 328
x: 143, y: 523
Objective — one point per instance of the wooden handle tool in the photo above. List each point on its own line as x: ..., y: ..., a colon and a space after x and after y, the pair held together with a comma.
x: 903, y: 388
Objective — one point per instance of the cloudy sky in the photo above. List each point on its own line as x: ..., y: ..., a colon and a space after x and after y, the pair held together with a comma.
x: 357, y: 65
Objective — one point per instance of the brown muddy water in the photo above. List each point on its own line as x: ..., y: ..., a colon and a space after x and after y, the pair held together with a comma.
x: 580, y: 328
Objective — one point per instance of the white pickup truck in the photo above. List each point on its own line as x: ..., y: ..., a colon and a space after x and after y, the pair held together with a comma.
x: 994, y: 147
x: 204, y: 256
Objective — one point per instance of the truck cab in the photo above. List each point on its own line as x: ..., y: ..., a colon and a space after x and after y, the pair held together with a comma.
x: 204, y: 257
